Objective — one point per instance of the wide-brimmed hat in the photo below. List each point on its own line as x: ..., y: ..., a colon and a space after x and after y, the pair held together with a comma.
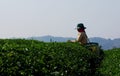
x: 81, y: 26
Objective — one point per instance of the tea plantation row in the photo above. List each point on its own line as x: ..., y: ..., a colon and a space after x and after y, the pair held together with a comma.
x: 33, y: 58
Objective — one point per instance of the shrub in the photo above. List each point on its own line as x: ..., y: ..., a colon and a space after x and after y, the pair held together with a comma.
x: 33, y: 58
x: 111, y: 63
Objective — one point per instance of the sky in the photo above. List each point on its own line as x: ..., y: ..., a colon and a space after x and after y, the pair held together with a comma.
x: 26, y: 18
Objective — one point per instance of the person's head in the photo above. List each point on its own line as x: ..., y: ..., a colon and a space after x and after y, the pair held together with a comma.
x: 81, y: 26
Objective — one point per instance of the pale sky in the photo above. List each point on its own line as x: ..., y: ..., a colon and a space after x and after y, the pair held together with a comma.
x: 26, y: 18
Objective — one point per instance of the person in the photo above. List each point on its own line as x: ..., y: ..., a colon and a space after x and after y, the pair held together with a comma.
x: 82, y: 37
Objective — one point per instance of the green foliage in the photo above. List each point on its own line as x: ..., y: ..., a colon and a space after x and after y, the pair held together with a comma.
x: 33, y: 58
x: 111, y: 63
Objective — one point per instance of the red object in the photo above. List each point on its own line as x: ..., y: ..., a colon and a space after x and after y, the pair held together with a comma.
x: 81, y: 30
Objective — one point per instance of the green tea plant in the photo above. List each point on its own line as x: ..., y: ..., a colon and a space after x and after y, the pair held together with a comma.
x: 111, y: 64
x: 33, y: 58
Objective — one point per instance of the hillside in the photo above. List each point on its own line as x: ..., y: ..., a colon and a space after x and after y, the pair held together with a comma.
x: 49, y: 38
x: 105, y: 43
x: 34, y: 58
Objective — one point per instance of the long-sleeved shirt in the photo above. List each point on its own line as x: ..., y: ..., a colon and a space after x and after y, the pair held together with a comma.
x: 82, y: 38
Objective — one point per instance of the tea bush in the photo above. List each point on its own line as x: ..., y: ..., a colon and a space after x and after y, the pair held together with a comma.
x: 111, y: 63
x: 33, y: 58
